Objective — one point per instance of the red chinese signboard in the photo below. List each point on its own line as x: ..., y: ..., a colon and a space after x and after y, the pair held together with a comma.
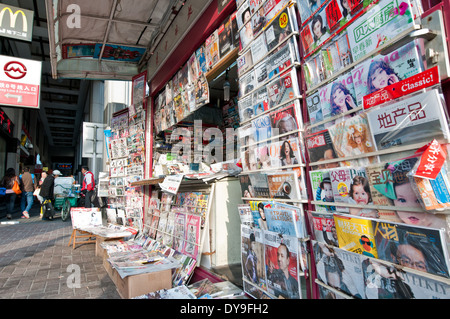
x: 20, y: 81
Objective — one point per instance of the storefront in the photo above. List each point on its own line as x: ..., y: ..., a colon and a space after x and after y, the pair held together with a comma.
x: 282, y: 128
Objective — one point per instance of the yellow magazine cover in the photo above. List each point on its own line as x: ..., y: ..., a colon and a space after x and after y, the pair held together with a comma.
x: 355, y: 234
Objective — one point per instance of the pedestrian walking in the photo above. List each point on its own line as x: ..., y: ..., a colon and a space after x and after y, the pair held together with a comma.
x: 9, y: 182
x: 29, y: 183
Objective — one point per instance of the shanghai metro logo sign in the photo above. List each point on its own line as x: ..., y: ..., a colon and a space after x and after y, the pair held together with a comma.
x: 15, y: 70
x: 20, y: 82
x: 16, y: 23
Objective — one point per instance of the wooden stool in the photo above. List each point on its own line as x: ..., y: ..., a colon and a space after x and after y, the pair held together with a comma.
x: 76, y: 234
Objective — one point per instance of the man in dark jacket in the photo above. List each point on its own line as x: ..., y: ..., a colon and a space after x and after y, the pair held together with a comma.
x: 46, y: 192
x: 29, y: 183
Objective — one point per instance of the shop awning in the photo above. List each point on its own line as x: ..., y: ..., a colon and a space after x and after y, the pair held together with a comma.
x: 113, y: 39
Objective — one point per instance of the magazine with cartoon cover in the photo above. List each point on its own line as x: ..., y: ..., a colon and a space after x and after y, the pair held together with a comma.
x: 283, y: 88
x: 281, y: 27
x: 384, y: 21
x: 273, y: 7
x: 420, y: 248
x: 245, y: 106
x: 260, y: 185
x: 260, y: 100
x: 225, y: 38
x: 352, y: 137
x: 282, y: 272
x: 247, y: 83
x: 258, y: 48
x: 244, y: 62
x: 315, y: 32
x: 356, y: 234
x: 339, y: 269
x: 282, y: 59
x: 400, y: 284
x: 284, y: 185
x: 419, y: 118
x: 252, y: 256
x: 374, y: 74
x: 286, y: 119
x: 323, y: 227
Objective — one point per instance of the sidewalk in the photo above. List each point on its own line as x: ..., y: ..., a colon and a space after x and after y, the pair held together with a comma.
x: 34, y: 261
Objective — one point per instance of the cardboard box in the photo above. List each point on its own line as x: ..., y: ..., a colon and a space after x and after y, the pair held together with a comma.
x: 133, y: 286
x: 99, y: 251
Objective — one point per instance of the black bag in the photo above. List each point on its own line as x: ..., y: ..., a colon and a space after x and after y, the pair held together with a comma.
x: 49, y: 211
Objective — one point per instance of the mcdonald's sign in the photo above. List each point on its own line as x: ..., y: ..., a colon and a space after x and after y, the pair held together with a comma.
x: 16, y: 23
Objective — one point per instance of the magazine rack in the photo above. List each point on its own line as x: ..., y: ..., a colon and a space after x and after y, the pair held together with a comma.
x: 360, y: 263
x: 187, y: 186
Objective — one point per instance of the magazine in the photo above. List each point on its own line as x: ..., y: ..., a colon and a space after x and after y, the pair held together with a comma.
x: 260, y: 72
x: 374, y: 74
x: 311, y: 71
x: 278, y: 221
x: 282, y: 272
x: 350, y: 185
x: 331, y: 58
x: 225, y: 38
x: 314, y: 110
x: 323, y: 227
x: 339, y: 269
x: 417, y: 119
x: 320, y: 147
x: 179, y: 230
x: 338, y: 96
x: 245, y: 213
x: 192, y: 239
x: 283, y: 88
x: 260, y: 185
x: 281, y: 27
x: 234, y: 30
x: 352, y: 137
x: 260, y: 100
x: 383, y: 26
x: 273, y: 7
x: 244, y: 25
x: 283, y: 58
x: 315, y: 32
x: 245, y: 106
x: 252, y: 256
x: 287, y: 119
x: 179, y: 292
x: 344, y: 50
x: 259, y: 218
x: 321, y: 189
x: 400, y: 284
x: 259, y: 48
x: 247, y: 83
x: 420, y: 248
x: 162, y: 223
x: 284, y: 185
x: 356, y: 234
x: 258, y: 16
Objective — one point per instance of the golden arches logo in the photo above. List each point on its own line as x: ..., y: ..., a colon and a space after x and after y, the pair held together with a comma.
x: 13, y: 18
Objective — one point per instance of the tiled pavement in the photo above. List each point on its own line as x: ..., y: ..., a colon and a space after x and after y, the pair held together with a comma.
x: 36, y: 262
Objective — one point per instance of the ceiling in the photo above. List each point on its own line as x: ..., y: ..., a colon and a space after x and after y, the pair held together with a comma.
x: 65, y: 82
